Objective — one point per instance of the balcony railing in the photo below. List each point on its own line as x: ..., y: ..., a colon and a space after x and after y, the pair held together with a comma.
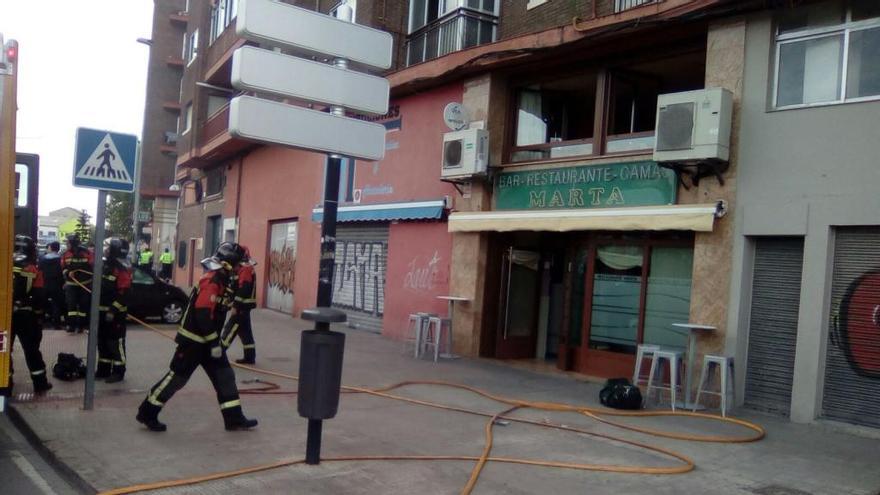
x: 457, y: 30
x: 622, y: 5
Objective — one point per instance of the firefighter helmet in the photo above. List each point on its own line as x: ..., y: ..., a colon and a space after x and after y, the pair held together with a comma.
x: 73, y: 241
x: 25, y: 248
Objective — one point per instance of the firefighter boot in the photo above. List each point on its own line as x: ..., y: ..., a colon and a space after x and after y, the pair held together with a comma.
x: 102, y: 370
x: 148, y: 415
x: 234, y: 419
x: 116, y: 375
x: 41, y: 383
x: 250, y: 357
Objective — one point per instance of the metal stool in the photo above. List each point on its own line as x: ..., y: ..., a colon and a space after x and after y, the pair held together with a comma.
x: 418, y: 323
x: 434, y: 332
x: 725, y: 365
x: 675, y: 364
x: 643, y: 351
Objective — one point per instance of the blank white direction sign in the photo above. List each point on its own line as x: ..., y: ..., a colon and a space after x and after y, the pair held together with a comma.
x: 297, y: 127
x: 311, y: 33
x: 272, y: 73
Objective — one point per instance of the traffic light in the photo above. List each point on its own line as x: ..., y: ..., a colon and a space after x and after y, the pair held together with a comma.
x: 9, y: 56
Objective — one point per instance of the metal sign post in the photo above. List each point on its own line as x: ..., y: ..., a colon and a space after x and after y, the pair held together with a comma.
x: 91, y: 355
x: 105, y: 161
x: 305, y: 34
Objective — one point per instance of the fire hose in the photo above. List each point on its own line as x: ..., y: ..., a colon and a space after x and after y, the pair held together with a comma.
x: 601, y: 415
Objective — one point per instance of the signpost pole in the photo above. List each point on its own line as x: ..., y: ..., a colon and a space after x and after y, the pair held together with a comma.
x: 136, y: 207
x: 91, y: 356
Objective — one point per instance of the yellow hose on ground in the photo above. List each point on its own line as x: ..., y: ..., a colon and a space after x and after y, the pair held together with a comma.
x: 686, y: 464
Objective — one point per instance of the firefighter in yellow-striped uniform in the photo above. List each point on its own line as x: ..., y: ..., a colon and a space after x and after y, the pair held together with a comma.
x: 76, y: 265
x: 115, y: 287
x: 244, y: 299
x: 198, y: 344
x: 27, y: 292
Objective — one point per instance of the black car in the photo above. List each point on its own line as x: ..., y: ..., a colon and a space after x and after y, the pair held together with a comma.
x: 151, y: 297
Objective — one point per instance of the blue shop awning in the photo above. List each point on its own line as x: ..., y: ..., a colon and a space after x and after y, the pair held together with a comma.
x: 384, y: 212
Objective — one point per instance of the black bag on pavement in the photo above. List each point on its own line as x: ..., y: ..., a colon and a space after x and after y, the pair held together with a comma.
x: 68, y: 367
x: 619, y: 393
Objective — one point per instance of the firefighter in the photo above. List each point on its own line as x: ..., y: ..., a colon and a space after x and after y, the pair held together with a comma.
x: 115, y: 286
x: 76, y: 265
x: 27, y: 293
x: 198, y: 344
x: 244, y: 299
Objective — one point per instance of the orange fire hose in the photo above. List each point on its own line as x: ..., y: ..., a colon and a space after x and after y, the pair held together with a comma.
x: 685, y: 465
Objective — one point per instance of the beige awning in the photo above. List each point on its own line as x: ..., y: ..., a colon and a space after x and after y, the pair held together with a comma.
x: 698, y: 218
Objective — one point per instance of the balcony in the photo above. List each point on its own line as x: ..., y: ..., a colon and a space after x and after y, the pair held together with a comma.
x: 624, y: 5
x: 460, y: 29
x: 179, y: 18
x: 172, y: 106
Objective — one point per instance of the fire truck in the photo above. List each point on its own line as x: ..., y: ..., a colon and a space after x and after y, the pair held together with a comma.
x: 19, y: 175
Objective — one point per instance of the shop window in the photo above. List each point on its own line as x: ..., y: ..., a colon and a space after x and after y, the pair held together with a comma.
x: 555, y: 119
x: 669, y: 296
x: 617, y: 281
x: 827, y: 53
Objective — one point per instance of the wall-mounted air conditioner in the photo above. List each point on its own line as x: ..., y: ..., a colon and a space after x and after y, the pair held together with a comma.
x: 693, y: 126
x: 465, y: 153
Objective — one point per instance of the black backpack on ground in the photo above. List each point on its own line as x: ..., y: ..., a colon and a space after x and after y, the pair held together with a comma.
x: 68, y: 367
x: 619, y: 393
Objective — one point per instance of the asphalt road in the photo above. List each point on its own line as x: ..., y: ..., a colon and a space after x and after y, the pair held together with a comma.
x: 22, y: 470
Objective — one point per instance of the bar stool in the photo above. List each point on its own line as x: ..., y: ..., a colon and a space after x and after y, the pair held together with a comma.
x: 643, y: 351
x: 434, y: 333
x: 417, y: 323
x: 725, y: 365
x: 673, y: 358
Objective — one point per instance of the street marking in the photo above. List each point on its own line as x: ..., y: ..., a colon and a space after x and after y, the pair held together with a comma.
x: 30, y: 471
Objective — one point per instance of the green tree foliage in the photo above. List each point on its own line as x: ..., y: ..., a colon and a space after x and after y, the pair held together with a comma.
x: 84, y: 227
x: 119, y: 211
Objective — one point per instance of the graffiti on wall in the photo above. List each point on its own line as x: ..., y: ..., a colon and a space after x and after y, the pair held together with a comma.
x: 359, y: 276
x: 422, y: 273
x: 857, y: 325
x: 282, y: 265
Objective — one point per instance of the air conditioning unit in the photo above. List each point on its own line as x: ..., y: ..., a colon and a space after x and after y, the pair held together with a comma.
x: 693, y: 126
x: 465, y: 153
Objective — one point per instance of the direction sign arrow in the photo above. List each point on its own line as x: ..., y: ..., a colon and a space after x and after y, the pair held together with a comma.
x: 297, y: 127
x: 273, y: 73
x: 311, y: 33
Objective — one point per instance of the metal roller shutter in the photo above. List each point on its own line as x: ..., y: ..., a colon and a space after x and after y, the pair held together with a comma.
x: 852, y: 360
x: 776, y: 292
x: 359, y: 278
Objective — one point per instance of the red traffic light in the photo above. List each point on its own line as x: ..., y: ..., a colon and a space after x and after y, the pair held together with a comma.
x: 11, y: 51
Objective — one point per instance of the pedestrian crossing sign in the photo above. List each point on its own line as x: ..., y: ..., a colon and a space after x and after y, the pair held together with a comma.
x: 105, y: 160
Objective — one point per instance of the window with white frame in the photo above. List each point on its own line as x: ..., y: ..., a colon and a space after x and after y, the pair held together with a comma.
x: 439, y: 27
x: 828, y: 52
x: 191, y: 46
x: 423, y: 12
x: 222, y: 14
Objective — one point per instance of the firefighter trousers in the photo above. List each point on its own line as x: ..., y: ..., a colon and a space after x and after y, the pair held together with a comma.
x: 78, y: 300
x: 240, y: 324
x: 26, y: 327
x: 111, y: 346
x: 188, y: 357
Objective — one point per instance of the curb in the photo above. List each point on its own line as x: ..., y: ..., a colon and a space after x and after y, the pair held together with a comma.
x: 62, y: 469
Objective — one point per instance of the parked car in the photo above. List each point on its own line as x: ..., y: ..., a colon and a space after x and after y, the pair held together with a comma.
x: 151, y: 297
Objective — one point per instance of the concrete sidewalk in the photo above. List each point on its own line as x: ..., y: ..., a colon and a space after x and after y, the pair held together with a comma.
x: 108, y: 449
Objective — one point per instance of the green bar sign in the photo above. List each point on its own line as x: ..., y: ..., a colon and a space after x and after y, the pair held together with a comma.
x: 610, y: 185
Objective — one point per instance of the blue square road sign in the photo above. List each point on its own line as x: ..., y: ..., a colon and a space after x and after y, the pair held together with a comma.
x: 105, y: 160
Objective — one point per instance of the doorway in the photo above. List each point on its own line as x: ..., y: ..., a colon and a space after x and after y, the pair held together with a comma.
x: 528, y: 297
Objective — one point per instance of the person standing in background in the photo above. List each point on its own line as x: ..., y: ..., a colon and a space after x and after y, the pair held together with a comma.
x: 53, y: 282
x: 166, y: 259
x: 146, y: 260
x: 244, y: 287
x: 76, y: 265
